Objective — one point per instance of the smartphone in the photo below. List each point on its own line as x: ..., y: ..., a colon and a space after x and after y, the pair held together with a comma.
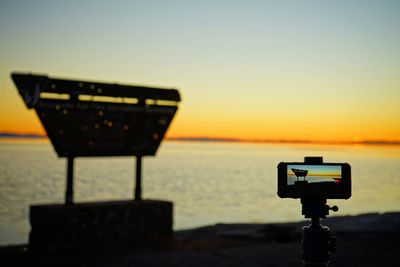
x: 323, y: 180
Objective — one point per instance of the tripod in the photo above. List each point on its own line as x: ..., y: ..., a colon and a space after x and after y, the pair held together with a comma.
x: 317, y: 242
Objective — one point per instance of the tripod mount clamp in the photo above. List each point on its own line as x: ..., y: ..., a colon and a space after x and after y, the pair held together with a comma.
x: 316, y: 208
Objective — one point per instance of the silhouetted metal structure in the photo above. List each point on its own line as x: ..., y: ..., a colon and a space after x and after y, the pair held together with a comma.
x: 88, y: 119
x: 300, y: 173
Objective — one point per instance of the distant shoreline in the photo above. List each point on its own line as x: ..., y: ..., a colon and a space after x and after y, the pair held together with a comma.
x: 285, y: 141
x: 11, y: 135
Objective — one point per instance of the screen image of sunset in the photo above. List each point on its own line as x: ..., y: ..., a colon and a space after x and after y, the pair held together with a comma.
x: 314, y: 173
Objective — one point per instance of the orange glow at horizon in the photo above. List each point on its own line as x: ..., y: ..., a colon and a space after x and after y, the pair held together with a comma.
x: 266, y: 127
x: 236, y: 127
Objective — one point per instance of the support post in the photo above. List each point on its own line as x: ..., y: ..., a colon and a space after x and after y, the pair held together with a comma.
x: 138, y: 186
x: 69, y: 194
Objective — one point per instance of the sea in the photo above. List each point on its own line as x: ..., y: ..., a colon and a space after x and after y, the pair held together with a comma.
x: 208, y: 182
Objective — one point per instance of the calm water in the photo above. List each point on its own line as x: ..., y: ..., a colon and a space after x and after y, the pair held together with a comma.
x: 208, y: 182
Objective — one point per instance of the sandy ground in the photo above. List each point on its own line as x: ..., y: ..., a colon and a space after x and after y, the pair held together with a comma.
x: 364, y: 240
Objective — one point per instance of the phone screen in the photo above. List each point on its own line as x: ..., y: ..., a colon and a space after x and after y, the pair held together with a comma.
x: 307, y: 174
x: 314, y: 180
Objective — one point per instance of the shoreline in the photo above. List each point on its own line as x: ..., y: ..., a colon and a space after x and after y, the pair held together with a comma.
x: 363, y: 240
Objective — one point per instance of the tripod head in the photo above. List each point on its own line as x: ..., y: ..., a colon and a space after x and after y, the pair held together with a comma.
x: 316, y: 208
x: 317, y: 242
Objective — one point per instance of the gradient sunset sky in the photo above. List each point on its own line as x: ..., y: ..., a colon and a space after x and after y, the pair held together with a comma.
x: 316, y: 70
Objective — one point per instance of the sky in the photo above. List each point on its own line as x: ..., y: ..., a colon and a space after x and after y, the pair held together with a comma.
x: 319, y: 70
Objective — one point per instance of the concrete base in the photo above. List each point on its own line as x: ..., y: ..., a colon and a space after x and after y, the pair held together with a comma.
x: 99, y: 224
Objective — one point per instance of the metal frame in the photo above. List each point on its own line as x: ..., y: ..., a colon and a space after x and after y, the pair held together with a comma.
x: 89, y: 119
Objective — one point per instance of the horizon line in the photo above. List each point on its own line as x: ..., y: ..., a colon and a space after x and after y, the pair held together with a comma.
x: 286, y: 141
x: 10, y: 134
